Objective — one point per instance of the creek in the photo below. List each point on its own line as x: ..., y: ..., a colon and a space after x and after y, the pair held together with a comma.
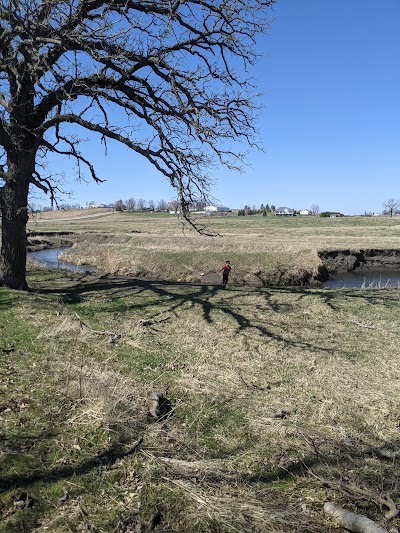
x: 50, y: 258
x: 363, y: 279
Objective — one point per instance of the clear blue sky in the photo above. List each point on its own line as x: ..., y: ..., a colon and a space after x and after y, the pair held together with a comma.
x: 330, y: 123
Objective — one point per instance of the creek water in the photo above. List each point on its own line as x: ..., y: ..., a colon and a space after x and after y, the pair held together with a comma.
x: 372, y: 279
x: 49, y: 257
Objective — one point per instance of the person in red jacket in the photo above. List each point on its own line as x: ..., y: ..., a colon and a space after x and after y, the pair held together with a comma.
x: 226, y: 269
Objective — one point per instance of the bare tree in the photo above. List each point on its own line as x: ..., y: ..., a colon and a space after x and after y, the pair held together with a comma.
x: 173, y: 205
x: 141, y: 204
x: 173, y: 67
x: 200, y: 205
x: 161, y: 205
x: 391, y: 206
x: 315, y: 209
x: 130, y: 204
x: 119, y: 205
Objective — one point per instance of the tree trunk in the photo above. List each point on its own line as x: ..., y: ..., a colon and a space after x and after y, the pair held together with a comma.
x: 14, y: 217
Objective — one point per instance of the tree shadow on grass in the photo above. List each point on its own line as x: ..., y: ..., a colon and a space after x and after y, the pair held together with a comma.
x: 23, y: 480
x: 319, y: 467
x: 143, y: 295
x: 389, y: 297
x: 177, y: 295
x: 6, y: 301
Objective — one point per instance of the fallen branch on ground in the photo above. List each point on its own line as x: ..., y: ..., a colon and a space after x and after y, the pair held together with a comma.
x: 352, y: 521
x: 382, y: 453
x: 354, y: 492
x: 113, y: 334
x: 150, y: 321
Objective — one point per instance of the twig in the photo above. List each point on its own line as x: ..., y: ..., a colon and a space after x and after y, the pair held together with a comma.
x: 112, y: 334
x: 193, y: 494
x: 133, y: 448
x: 150, y: 321
x: 355, y: 492
x: 346, y: 437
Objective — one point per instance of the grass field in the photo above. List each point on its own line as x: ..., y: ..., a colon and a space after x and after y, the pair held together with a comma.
x: 281, y: 398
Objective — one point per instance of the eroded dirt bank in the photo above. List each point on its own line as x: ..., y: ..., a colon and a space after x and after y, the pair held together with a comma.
x: 347, y: 260
x: 41, y: 240
x: 332, y: 262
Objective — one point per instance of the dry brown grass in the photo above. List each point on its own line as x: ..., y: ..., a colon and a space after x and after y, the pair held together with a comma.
x: 229, y: 361
x: 262, y: 250
x: 62, y: 215
x: 232, y: 362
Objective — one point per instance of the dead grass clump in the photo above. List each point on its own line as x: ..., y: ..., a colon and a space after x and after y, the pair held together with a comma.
x: 106, y: 398
x: 215, y: 502
x: 65, y: 325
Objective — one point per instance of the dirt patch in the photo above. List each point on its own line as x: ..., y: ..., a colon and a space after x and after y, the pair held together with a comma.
x: 298, y: 277
x: 211, y: 278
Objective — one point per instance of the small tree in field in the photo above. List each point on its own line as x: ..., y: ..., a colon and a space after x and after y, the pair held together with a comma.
x: 119, y: 205
x: 391, y: 206
x: 164, y: 78
x: 315, y: 210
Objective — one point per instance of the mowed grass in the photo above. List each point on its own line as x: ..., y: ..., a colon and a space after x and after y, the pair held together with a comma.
x: 276, y: 395
x: 262, y: 250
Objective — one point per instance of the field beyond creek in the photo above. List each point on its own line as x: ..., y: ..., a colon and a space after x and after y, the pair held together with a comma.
x: 277, y: 398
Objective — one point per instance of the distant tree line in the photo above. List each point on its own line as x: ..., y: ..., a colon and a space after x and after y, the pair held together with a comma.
x: 328, y: 214
x: 264, y: 210
x: 139, y: 204
x: 35, y: 208
x: 253, y: 210
x: 131, y: 204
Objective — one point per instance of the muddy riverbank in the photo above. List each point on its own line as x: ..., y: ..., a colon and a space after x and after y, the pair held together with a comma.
x: 47, y: 240
x: 337, y: 261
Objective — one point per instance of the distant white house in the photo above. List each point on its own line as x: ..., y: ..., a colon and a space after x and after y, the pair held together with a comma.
x: 217, y: 209
x: 285, y: 212
x: 96, y: 206
x: 305, y: 212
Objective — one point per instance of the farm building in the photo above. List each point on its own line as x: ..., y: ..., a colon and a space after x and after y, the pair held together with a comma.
x: 285, y: 212
x: 217, y: 209
x: 95, y: 205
